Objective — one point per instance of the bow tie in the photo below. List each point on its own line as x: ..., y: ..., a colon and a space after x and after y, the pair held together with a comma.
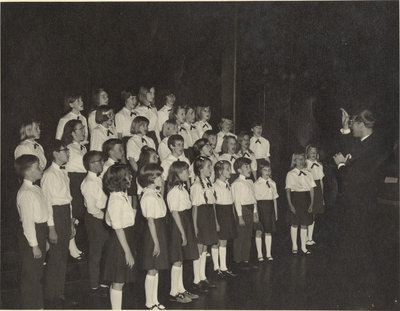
x: 183, y: 186
x: 228, y: 187
x: 158, y: 194
x: 182, y: 129
x: 144, y: 141
x: 205, y: 125
x: 98, y: 174
x: 268, y: 184
x: 169, y: 110
x: 246, y: 154
x: 209, y: 184
x: 62, y: 167
x: 232, y: 158
x: 301, y: 172
x: 192, y: 127
x: 178, y: 160
x: 35, y: 145
x: 314, y: 164
x: 83, y: 147
x: 109, y: 133
x: 133, y: 113
x: 149, y: 107
x: 77, y: 117
x: 258, y: 141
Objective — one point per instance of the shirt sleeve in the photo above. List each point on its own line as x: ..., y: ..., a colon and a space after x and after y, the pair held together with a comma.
x: 132, y: 150
x: 115, y: 212
x: 46, y: 184
x: 267, y: 147
x: 197, y: 194
x: 92, y: 121
x: 236, y: 198
x: 20, y: 150
x: 289, y: 181
x: 148, y: 205
x: 93, y: 199
x: 25, y: 201
x: 95, y: 143
x: 60, y: 128
x: 173, y: 199
x: 163, y: 151
x: 274, y: 191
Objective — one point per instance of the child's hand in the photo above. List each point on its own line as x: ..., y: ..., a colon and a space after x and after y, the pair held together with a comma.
x: 217, y: 226
x: 196, y: 231
x: 184, y: 241
x: 310, y: 209
x: 73, y: 231
x: 292, y: 209
x: 37, y: 253
x: 276, y: 217
x: 156, y: 251
x: 241, y: 221
x: 255, y: 218
x: 52, y: 235
x: 129, y: 259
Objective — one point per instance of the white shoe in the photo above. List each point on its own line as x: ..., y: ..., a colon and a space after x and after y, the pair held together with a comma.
x: 310, y: 242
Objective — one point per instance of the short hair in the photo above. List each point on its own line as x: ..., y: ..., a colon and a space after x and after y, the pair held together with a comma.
x: 173, y: 139
x: 69, y: 99
x: 88, y: 157
x: 168, y: 123
x: 199, y: 144
x: 224, y: 146
x: 138, y: 122
x: 261, y: 164
x: 209, y: 133
x: 175, y: 111
x: 149, y: 173
x: 219, y: 167
x: 241, y: 135
x: 55, y: 146
x: 102, y: 114
x: 96, y: 98
x: 365, y: 116
x: 26, y: 128
x: 308, y: 148
x: 240, y: 162
x: 125, y: 95
x: 69, y: 128
x: 223, y: 120
x: 115, y: 178
x: 24, y: 163
x: 256, y: 123
x: 199, y: 163
x: 294, y: 156
x: 144, y: 157
x: 142, y: 96
x: 199, y: 109
x: 109, y: 144
x: 175, y: 169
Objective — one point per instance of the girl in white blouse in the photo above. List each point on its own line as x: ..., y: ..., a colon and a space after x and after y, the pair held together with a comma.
x: 182, y: 244
x: 190, y: 118
x: 203, y: 115
x: 105, y: 128
x: 300, y: 195
x: 120, y: 216
x: 179, y: 114
x: 229, y: 149
x: 99, y: 98
x: 244, y: 151
x: 124, y: 117
x: 147, y: 109
x: 317, y: 172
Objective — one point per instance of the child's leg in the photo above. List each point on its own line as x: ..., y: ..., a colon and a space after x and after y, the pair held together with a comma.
x: 248, y: 219
x: 214, y: 254
x: 196, y: 265
x: 181, y: 287
x: 203, y: 259
x: 303, y: 238
x: 293, y: 235
x: 268, y: 244
x: 222, y: 254
x: 259, y: 244
x: 116, y: 296
x: 155, y: 292
x: 175, y: 273
x: 149, y: 287
x: 310, y: 231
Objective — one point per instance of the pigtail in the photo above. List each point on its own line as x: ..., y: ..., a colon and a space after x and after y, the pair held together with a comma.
x: 204, y: 190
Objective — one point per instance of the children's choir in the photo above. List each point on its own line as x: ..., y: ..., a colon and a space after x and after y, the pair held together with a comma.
x: 149, y: 210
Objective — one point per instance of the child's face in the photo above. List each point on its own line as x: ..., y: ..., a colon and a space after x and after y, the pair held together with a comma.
x: 180, y: 116
x: 36, y: 131
x: 245, y: 170
x: 117, y: 152
x: 110, y: 121
x: 206, y: 170
x: 190, y: 116
x: 266, y: 172
x: 35, y: 172
x: 299, y: 161
x: 153, y: 157
x: 205, y: 114
x: 96, y: 164
x: 79, y: 133
x: 103, y: 99
x: 151, y: 95
x: 171, y: 129
x: 143, y: 128
x: 158, y: 182
x: 206, y: 151
x: 257, y: 130
x: 232, y: 146
x: 227, y: 171
x: 177, y: 148
x: 226, y: 126
x: 131, y: 102
x: 184, y: 175
x: 77, y: 104
x: 213, y: 141
x: 62, y: 156
x: 312, y: 154
x: 170, y: 100
x: 245, y: 142
x: 128, y: 178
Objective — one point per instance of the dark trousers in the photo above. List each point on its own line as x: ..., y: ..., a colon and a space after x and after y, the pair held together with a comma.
x: 32, y: 269
x: 78, y: 207
x: 241, y: 245
x: 97, y: 237
x: 58, y: 253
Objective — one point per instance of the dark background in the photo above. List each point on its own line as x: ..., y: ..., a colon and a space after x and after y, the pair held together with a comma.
x: 297, y: 64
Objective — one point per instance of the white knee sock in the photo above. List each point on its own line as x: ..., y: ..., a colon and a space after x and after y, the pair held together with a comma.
x: 155, y: 290
x: 116, y: 299
x: 73, y: 249
x: 148, y: 287
x: 222, y: 257
x: 196, y: 271
x: 259, y: 247
x: 268, y: 243
x: 214, y: 255
x: 175, y: 271
x: 303, y: 239
x: 310, y: 231
x: 203, y: 259
x: 181, y: 287
x: 293, y: 235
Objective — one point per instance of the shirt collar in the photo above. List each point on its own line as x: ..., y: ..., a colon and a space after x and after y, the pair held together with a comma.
x: 56, y: 166
x: 28, y: 182
x: 75, y: 115
x: 242, y: 177
x: 92, y: 174
x: 127, y: 110
x: 365, y: 137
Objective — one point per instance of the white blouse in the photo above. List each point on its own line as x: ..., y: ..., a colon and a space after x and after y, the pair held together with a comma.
x: 198, y: 193
x: 150, y: 113
x: 166, y: 163
x: 152, y: 204
x: 185, y: 133
x: 94, y: 197
x: 299, y: 180
x: 231, y: 158
x: 243, y: 193
x: 71, y: 116
x: 249, y: 155
x: 265, y: 189
x: 123, y: 121
x: 178, y: 199
x: 316, y: 169
x: 163, y: 150
x: 75, y: 162
x: 223, y: 193
x: 260, y: 147
x: 30, y: 146
x: 192, y: 130
x: 99, y: 135
x: 201, y: 127
x: 120, y: 213
x: 135, y: 144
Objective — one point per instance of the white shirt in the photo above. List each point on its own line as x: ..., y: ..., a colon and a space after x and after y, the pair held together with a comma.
x: 163, y: 150
x: 71, y: 116
x: 249, y: 155
x: 220, y: 139
x: 162, y: 116
x: 201, y: 127
x: 99, y: 135
x: 150, y: 113
x: 94, y: 197
x: 223, y: 193
x: 265, y: 189
x: 135, y: 144
x: 120, y: 213
x: 55, y: 186
x: 231, y: 158
x: 178, y: 199
x: 106, y: 166
x: 30, y: 146
x: 243, y: 193
x: 299, y: 180
x: 166, y: 163
x: 75, y: 162
x: 260, y: 147
x: 187, y: 137
x: 192, y: 130
x: 152, y: 204
x: 316, y: 169
x: 198, y: 193
x: 123, y: 121
x: 33, y: 208
x: 92, y: 121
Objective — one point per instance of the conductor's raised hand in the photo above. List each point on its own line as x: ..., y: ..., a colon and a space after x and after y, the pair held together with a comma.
x: 345, y: 119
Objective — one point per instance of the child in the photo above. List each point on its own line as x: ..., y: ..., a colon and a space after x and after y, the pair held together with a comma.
x: 203, y: 115
x: 183, y: 130
x: 229, y: 149
x: 120, y: 216
x: 258, y: 144
x: 225, y: 216
x: 211, y: 136
x: 124, y: 117
x: 317, y: 172
x: 266, y: 195
x: 33, y: 230
x: 155, y: 251
x: 73, y: 104
x: 138, y: 140
x: 246, y: 209
x: 95, y: 202
x: 169, y: 128
x: 29, y: 133
x: 99, y: 98
x: 204, y: 219
x: 105, y: 128
x: 113, y: 152
x: 244, y: 151
x: 55, y: 186
x: 175, y: 144
x: 146, y: 109
x: 189, y: 124
x: 300, y: 195
x: 165, y: 113
x: 183, y: 244
x: 73, y: 137
x: 225, y: 126
x: 202, y: 148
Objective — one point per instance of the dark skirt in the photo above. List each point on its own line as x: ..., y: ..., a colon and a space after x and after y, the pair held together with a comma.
x: 226, y: 221
x: 301, y: 202
x: 161, y: 262
x: 266, y: 215
x: 318, y: 206
x: 207, y: 231
x: 177, y: 252
x: 78, y: 207
x: 116, y: 270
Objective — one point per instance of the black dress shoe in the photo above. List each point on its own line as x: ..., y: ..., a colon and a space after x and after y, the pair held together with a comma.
x: 199, y: 288
x: 207, y: 284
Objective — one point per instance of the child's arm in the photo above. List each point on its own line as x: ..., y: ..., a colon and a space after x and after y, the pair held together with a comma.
x: 289, y: 199
x: 238, y: 206
x: 276, y: 209
x: 255, y: 215
x: 45, y: 182
x: 196, y: 230
x: 312, y: 200
x: 178, y: 222
x: 133, y: 164
x: 122, y: 240
x: 153, y: 232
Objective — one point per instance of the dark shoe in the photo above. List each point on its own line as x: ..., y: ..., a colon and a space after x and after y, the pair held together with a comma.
x: 219, y: 274
x: 199, y: 288
x: 306, y: 253
x: 207, y: 284
x: 180, y: 298
x: 100, y: 292
x: 229, y: 273
x: 190, y: 295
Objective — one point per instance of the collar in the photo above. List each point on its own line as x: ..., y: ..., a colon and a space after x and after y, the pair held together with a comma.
x: 242, y: 177
x: 56, y: 166
x: 28, y: 182
x: 75, y: 115
x: 365, y: 137
x: 127, y: 110
x: 93, y: 175
x: 166, y: 108
x: 256, y: 137
x: 111, y: 161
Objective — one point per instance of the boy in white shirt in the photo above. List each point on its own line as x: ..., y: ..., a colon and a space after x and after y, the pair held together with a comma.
x: 258, y: 144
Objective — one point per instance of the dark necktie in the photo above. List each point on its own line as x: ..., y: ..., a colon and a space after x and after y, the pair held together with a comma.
x: 109, y: 133
x: 178, y: 160
x: 133, y: 113
x: 159, y: 195
x: 302, y: 173
x: 314, y: 164
x: 182, y: 129
x: 227, y: 187
x: 192, y: 127
x: 258, y: 141
x: 232, y: 158
x: 144, y: 141
x: 205, y: 125
x: 98, y: 174
x: 268, y: 184
x: 82, y: 147
x: 77, y: 117
x: 149, y: 107
x: 169, y: 110
x: 246, y: 154
x: 209, y: 184
x: 62, y: 167
x: 36, y: 146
